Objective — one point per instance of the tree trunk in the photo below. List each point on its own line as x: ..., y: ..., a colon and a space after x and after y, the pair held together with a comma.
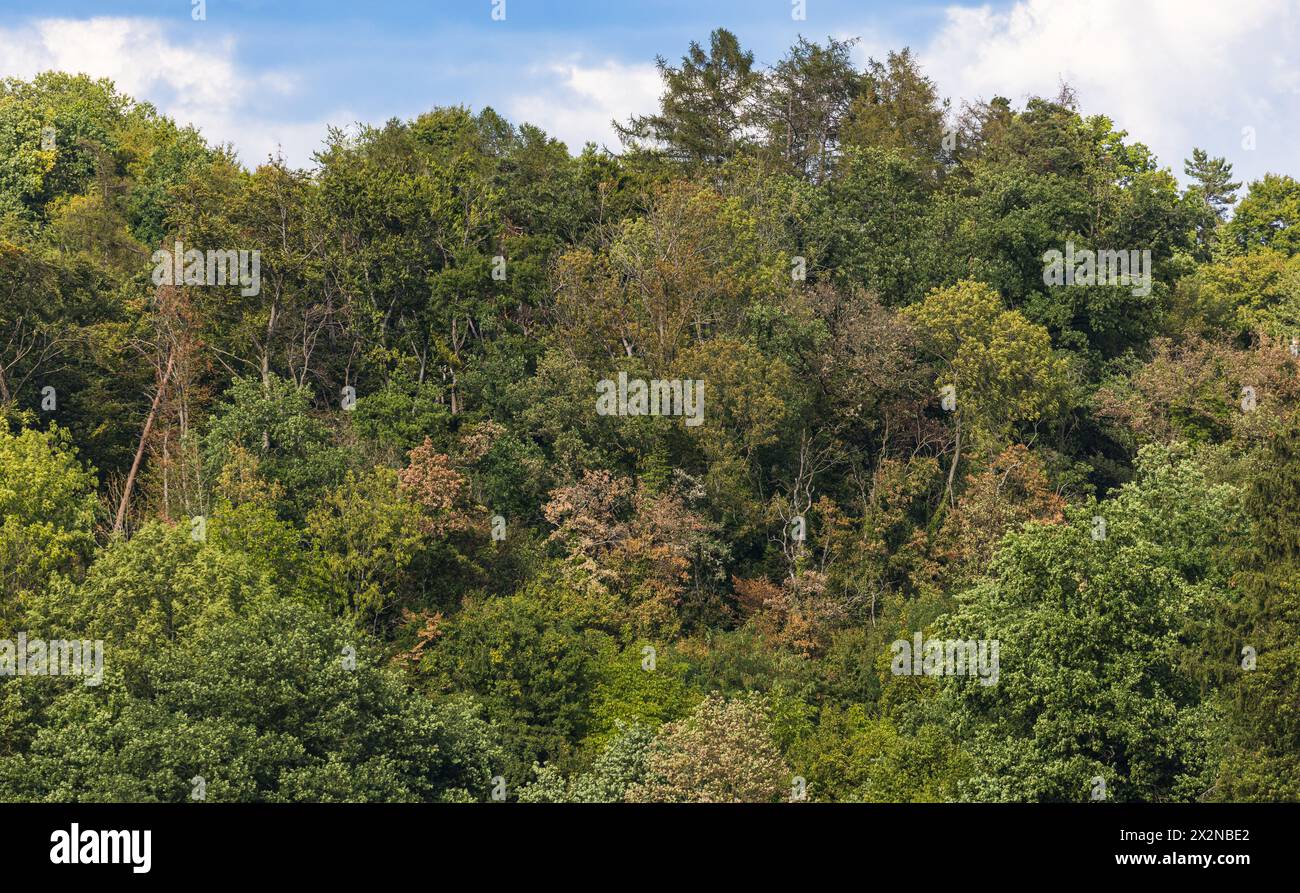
x: 139, y: 452
x: 952, y: 470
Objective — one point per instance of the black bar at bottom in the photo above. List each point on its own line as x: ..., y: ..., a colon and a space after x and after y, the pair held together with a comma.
x: 531, y: 842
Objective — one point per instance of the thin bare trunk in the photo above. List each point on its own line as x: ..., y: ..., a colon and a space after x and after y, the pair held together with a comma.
x: 952, y: 470
x: 139, y: 452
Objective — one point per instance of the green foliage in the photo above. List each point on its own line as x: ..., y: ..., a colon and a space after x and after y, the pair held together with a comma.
x: 281, y: 705
x: 147, y: 592
x: 47, y: 514
x: 636, y: 688
x: 1268, y: 217
x: 532, y: 669
x: 1090, y: 631
x: 84, y: 117
x: 853, y: 757
x: 365, y: 536
x: 1263, y: 753
x: 1001, y: 365
x: 401, y: 414
x: 1214, y: 182
x: 862, y: 226
x: 1257, y: 292
x: 620, y: 765
x: 899, y: 109
x: 272, y: 420
x: 703, y: 114
x: 825, y: 248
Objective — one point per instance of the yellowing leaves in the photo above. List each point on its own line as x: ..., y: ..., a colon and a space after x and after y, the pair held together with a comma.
x: 1001, y: 364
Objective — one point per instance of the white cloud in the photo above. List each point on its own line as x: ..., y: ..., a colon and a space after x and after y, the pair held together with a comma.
x: 189, y: 73
x: 1174, y: 73
x: 579, y: 102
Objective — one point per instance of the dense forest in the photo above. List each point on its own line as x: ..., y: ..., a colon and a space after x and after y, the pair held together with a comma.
x: 459, y: 467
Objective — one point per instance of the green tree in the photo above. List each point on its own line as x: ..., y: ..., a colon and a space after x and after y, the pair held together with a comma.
x: 282, y: 705
x: 272, y: 420
x: 708, y: 105
x: 1253, y: 293
x: 141, y: 594
x: 47, y: 514
x: 365, y: 536
x: 1262, y: 760
x: 621, y: 764
x: 1268, y: 217
x: 852, y: 756
x: 1213, y: 179
x: 899, y: 108
x: 531, y: 667
x: 636, y: 687
x: 1000, y: 366
x: 882, y: 229
x: 1091, y: 617
x: 805, y: 103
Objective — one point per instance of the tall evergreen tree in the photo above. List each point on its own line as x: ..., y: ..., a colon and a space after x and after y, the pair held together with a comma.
x: 1214, y: 182
x: 707, y: 111
x: 806, y: 103
x: 899, y: 109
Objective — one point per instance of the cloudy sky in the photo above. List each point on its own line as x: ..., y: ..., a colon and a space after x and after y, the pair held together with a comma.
x: 273, y: 74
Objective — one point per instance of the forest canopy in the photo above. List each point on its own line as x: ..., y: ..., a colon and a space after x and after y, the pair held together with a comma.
x: 829, y: 441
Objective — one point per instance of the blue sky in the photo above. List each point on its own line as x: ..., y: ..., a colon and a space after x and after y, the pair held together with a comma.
x: 270, y: 76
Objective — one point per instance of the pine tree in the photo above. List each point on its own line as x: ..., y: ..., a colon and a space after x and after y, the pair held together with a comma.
x: 1213, y: 178
x: 899, y: 109
x: 805, y: 104
x: 708, y: 107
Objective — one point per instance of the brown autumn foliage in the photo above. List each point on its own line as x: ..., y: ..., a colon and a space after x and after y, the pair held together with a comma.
x: 428, y: 626
x: 643, y: 547
x: 799, y: 614
x: 1011, y: 490
x: 430, y: 481
x: 1193, y: 390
